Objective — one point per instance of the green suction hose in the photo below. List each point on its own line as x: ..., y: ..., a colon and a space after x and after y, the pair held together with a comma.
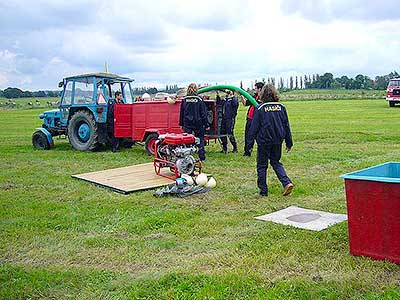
x: 232, y: 88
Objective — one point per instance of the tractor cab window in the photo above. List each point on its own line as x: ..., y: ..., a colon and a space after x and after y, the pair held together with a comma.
x: 67, y: 98
x: 83, y: 92
x: 115, y: 87
x: 101, y: 96
x: 126, y: 92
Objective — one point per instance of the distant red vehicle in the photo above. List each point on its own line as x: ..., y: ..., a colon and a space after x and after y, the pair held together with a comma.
x: 144, y: 121
x: 393, y: 92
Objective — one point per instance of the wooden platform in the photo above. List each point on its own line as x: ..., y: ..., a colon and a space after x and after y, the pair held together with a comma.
x: 127, y: 179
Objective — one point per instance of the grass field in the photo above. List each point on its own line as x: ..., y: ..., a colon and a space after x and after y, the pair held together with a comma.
x: 28, y: 103
x: 330, y: 94
x: 301, y: 94
x: 66, y: 239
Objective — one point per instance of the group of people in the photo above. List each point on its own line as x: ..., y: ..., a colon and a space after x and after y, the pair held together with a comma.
x: 267, y: 124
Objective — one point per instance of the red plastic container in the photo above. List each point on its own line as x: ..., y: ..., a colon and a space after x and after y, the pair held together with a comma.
x: 373, y: 207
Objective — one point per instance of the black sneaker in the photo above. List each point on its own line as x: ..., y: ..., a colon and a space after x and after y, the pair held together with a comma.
x: 263, y: 194
x: 247, y: 154
x: 234, y: 151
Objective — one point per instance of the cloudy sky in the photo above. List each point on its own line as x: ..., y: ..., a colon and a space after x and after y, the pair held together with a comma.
x: 172, y: 41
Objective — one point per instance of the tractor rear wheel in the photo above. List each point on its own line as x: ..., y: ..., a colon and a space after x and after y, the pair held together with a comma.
x: 39, y: 141
x: 83, y: 131
x: 150, y: 143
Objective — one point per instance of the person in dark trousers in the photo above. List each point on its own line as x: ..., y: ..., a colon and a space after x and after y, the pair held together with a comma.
x: 270, y: 127
x: 219, y: 104
x: 193, y: 117
x: 248, y: 147
x: 115, y: 142
x: 230, y: 107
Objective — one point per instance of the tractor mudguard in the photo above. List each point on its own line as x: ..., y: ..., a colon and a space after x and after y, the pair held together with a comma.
x: 48, y: 135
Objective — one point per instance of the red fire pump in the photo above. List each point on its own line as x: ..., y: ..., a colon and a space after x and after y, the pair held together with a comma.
x: 175, y: 151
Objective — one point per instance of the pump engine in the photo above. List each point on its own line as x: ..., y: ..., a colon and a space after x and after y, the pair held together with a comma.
x: 176, y: 152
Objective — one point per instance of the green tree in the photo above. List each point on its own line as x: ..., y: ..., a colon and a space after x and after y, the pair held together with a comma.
x: 345, y: 82
x: 325, y: 81
x: 336, y: 84
x: 381, y: 82
x: 10, y: 93
x: 27, y: 94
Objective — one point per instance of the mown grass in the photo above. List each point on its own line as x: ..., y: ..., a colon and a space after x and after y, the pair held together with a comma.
x: 67, y: 239
x: 331, y: 94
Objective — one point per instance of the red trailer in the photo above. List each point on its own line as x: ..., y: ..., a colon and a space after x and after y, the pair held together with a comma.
x: 143, y: 121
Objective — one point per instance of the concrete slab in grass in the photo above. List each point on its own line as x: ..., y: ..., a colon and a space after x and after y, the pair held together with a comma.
x: 304, y: 218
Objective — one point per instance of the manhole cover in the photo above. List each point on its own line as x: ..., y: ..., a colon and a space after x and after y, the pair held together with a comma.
x: 304, y: 218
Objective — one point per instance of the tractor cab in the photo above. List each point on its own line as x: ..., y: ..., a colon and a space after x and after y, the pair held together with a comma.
x: 92, y: 92
x: 82, y: 113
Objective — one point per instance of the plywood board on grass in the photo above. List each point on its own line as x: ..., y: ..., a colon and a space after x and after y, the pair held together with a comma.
x: 126, y: 180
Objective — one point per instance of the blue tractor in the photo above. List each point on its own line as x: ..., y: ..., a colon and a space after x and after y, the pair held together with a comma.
x: 82, y: 113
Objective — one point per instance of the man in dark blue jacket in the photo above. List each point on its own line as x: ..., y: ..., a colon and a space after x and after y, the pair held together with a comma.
x: 230, y: 107
x: 193, y: 117
x: 270, y: 127
x: 115, y: 142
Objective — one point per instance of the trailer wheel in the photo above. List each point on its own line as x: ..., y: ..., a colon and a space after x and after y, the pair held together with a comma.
x: 83, y: 131
x: 150, y: 143
x: 391, y: 103
x: 39, y: 141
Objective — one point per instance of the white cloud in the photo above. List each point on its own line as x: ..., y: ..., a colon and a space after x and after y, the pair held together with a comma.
x: 353, y: 10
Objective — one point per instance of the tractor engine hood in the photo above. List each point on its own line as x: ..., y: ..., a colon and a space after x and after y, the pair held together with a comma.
x: 54, y: 113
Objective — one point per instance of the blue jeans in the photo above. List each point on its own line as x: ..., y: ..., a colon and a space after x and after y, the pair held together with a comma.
x: 227, y: 127
x: 271, y: 153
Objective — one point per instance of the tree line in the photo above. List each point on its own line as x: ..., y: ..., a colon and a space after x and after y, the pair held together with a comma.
x: 315, y: 81
x: 13, y: 93
x: 328, y: 81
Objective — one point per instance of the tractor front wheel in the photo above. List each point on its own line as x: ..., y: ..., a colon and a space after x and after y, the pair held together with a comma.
x: 83, y: 131
x: 391, y: 103
x: 150, y: 143
x: 39, y: 141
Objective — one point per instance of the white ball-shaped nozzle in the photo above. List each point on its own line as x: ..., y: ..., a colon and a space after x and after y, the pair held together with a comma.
x: 211, y: 183
x: 170, y: 100
x: 188, y: 178
x: 201, y: 179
